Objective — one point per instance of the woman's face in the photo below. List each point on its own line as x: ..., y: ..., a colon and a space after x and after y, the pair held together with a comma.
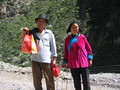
x: 74, y: 29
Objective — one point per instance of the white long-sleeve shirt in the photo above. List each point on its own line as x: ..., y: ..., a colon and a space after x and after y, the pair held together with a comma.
x: 47, y: 47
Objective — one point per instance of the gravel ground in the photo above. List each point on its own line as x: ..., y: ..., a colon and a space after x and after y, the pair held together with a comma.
x: 17, y: 78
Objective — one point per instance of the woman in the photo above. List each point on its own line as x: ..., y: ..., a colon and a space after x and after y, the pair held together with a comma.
x: 78, y: 56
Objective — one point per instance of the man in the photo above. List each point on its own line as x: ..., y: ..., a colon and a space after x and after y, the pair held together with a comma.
x: 45, y: 59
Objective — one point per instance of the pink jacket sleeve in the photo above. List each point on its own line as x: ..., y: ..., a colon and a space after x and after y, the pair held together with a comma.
x: 87, y: 46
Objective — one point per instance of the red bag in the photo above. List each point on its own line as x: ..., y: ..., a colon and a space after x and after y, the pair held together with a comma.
x: 28, y: 43
x: 55, y: 71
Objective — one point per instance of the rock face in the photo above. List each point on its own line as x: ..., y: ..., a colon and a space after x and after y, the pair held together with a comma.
x: 3, y: 10
x: 9, y: 8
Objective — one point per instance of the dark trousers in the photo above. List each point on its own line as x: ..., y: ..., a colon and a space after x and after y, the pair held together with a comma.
x: 39, y: 69
x: 77, y: 74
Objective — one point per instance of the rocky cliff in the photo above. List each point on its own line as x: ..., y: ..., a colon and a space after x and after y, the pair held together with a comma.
x: 10, y: 8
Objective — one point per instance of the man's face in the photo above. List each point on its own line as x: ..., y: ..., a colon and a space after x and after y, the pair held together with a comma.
x: 41, y: 23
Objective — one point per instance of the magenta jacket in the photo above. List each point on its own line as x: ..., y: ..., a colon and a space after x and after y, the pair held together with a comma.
x: 77, y: 51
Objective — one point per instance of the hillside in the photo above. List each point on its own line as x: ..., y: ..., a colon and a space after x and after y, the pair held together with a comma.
x: 24, y: 16
x: 99, y: 22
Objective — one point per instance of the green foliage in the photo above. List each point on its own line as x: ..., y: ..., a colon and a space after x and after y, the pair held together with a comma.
x: 60, y: 14
x: 99, y: 20
x: 1, y: 2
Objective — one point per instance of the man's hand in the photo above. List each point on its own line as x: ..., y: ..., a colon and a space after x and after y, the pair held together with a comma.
x: 25, y: 30
x: 53, y: 62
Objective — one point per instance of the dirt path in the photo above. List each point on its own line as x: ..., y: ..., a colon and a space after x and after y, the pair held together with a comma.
x: 15, y: 78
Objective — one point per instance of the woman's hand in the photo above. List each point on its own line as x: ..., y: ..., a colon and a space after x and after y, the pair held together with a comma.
x: 64, y: 65
x: 90, y: 62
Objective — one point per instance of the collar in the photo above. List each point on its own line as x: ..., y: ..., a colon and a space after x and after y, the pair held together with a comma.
x: 75, y: 36
x: 45, y: 30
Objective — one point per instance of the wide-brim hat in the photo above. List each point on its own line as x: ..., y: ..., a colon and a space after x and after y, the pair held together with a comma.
x: 41, y: 16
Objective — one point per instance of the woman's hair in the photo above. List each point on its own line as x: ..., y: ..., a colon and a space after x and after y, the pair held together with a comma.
x: 69, y: 28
